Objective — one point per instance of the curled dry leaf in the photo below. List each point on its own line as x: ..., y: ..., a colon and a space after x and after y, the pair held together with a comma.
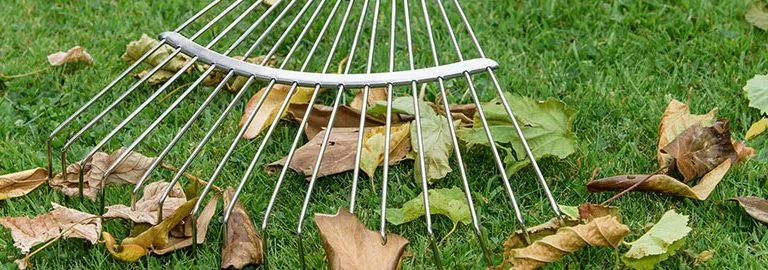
x: 346, y: 117
x: 372, y: 153
x: 756, y: 129
x: 605, y: 231
x: 156, y: 237
x: 73, y: 55
x: 757, y: 15
x: 661, y: 241
x: 147, y: 207
x: 698, y: 150
x: 137, y: 48
x: 349, y: 245
x: 755, y: 207
x: 588, y: 211
x: 28, y: 232
x: 339, y: 154
x: 20, y: 183
x: 677, y: 118
x: 128, y: 172
x: 243, y: 244
x: 159, y: 76
x: 270, y: 107
x: 374, y: 95
x: 183, y: 240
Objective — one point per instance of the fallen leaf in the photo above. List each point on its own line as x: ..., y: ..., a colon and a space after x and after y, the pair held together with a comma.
x: 159, y: 76
x: 74, y: 55
x: 704, y: 256
x: 374, y: 95
x: 588, y: 211
x: 660, y: 242
x: 270, y: 107
x: 28, y: 232
x: 217, y: 75
x: 757, y: 15
x: 757, y: 93
x: 156, y: 237
x: 450, y: 202
x: 346, y: 117
x: 605, y: 231
x: 569, y: 211
x: 547, y: 127
x: 23, y: 263
x: 147, y: 207
x: 755, y: 207
x: 243, y: 244
x: 339, y: 154
x: 757, y: 128
x: 349, y: 245
x: 401, y: 105
x: 182, y: 241
x: 128, y: 172
x: 463, y: 112
x: 372, y: 153
x: 517, y: 239
x: 270, y: 2
x: 663, y: 183
x: 438, y: 147
x: 677, y: 118
x: 137, y: 48
x: 20, y: 183
x: 698, y: 150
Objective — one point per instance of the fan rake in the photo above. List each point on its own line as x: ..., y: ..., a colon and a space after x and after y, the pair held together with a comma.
x: 270, y: 20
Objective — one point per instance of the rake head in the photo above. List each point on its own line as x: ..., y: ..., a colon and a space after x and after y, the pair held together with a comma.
x: 292, y: 20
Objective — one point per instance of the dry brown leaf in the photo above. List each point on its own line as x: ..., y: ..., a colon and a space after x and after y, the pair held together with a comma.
x: 128, y: 172
x: 217, y: 75
x: 663, y: 183
x: 137, y: 48
x: 698, y: 150
x: 318, y: 119
x: 73, y: 55
x: 463, y: 112
x: 374, y: 95
x: 176, y: 242
x: 372, y: 153
x: 339, y: 154
x: 349, y: 245
x: 147, y: 207
x: 156, y: 237
x: 517, y: 239
x: 20, y: 183
x: 270, y: 107
x: 159, y: 76
x: 755, y: 207
x: 605, y: 231
x: 243, y: 244
x: 27, y: 232
x: 676, y: 119
x: 757, y: 15
x: 588, y: 211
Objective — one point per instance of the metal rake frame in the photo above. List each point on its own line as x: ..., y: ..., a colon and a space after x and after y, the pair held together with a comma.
x: 341, y: 82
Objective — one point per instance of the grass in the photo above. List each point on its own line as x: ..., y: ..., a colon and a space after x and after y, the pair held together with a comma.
x: 616, y: 62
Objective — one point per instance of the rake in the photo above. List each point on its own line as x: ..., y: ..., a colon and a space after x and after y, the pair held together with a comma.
x: 271, y: 18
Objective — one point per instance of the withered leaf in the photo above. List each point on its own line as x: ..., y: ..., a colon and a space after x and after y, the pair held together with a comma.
x: 20, y: 183
x: 517, y: 239
x: 663, y: 183
x: 243, y: 244
x: 137, y: 48
x: 73, y: 55
x: 372, y: 153
x: 128, y: 172
x: 28, y: 232
x: 463, y: 112
x: 217, y: 75
x: 159, y: 76
x: 698, y: 150
x: 605, y: 231
x: 146, y: 207
x: 677, y: 118
x: 349, y: 245
x: 156, y: 237
x: 755, y: 207
x: 270, y: 107
x: 588, y: 211
x: 374, y: 95
x: 318, y: 119
x: 757, y: 15
x: 176, y: 242
x: 756, y: 129
x: 339, y: 154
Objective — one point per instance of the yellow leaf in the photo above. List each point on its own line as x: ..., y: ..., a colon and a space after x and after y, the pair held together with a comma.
x: 372, y: 154
x: 757, y: 128
x: 20, y: 183
x: 270, y: 107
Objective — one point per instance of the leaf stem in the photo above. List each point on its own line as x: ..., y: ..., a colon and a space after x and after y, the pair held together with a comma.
x: 4, y: 77
x: 448, y: 234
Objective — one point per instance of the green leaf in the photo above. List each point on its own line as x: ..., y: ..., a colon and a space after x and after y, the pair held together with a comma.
x: 547, y: 126
x: 402, y: 105
x: 757, y: 93
x: 661, y: 241
x: 449, y: 202
x: 570, y: 211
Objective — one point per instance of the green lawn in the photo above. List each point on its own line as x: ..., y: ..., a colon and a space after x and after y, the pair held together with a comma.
x: 616, y: 62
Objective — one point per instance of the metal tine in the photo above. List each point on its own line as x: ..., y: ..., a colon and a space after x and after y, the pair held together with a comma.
x: 74, y: 138
x: 170, y: 108
x: 239, y: 135
x: 297, y: 138
x: 329, y: 126
x: 420, y: 141
x: 109, y: 86
x: 508, y: 109
x: 363, y: 109
x: 388, y: 128
x: 205, y: 104
x: 454, y: 140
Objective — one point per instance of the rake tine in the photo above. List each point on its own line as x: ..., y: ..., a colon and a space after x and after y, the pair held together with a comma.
x: 420, y: 142
x: 454, y: 140
x: 388, y: 128
x: 297, y: 138
x: 508, y: 109
x: 109, y: 86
